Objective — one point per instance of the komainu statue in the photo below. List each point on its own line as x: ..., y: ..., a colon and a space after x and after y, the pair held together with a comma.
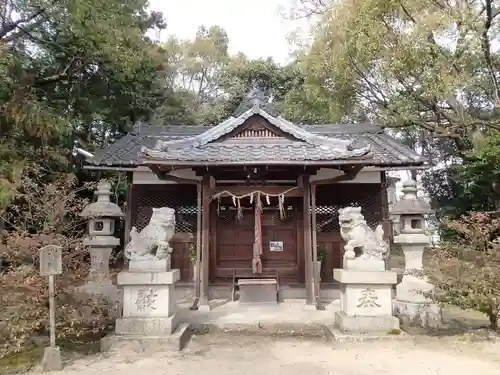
x: 153, y: 241
x: 361, y: 241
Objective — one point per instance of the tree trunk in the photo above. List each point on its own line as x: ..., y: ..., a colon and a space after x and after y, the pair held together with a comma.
x: 493, y: 317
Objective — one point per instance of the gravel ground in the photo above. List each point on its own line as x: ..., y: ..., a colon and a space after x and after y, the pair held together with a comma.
x: 225, y: 354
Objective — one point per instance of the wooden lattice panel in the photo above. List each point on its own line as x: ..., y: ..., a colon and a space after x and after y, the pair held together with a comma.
x: 257, y: 129
x: 330, y: 198
x: 182, y: 198
x: 273, y: 217
x: 260, y: 132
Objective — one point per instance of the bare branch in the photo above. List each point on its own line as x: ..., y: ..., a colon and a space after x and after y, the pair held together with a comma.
x: 11, y: 26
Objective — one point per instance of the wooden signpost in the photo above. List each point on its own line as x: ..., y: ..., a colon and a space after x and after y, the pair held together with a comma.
x: 51, y: 265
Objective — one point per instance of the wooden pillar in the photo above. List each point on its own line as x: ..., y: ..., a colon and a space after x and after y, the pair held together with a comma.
x: 129, y: 206
x: 199, y: 206
x: 386, y: 220
x: 205, y: 239
x: 316, y: 271
x: 306, y: 209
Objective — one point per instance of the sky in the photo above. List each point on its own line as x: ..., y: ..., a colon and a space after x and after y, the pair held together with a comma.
x: 256, y: 28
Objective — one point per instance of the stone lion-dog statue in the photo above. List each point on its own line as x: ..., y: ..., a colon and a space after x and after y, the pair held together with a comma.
x: 153, y: 241
x: 359, y: 237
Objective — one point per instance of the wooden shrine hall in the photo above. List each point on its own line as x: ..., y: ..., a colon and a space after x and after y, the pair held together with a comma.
x: 256, y: 196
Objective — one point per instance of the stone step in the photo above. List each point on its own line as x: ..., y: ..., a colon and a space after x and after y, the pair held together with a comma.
x: 258, y: 291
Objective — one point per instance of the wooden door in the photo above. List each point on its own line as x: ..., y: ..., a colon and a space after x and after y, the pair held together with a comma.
x: 233, y: 243
x: 279, y: 242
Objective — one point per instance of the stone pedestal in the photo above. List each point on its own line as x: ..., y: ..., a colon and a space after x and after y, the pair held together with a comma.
x: 98, y: 280
x: 413, y: 304
x: 148, y: 300
x: 149, y: 321
x: 365, y: 298
x: 99, y: 264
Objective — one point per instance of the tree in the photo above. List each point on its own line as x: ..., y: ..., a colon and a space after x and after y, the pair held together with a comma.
x: 473, y: 185
x: 402, y: 63
x: 193, y: 67
x: 212, y: 83
x: 72, y: 69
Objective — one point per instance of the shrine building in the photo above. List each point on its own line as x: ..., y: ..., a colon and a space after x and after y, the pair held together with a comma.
x: 247, y: 192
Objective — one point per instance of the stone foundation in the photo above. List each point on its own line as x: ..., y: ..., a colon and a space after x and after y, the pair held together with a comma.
x: 174, y: 342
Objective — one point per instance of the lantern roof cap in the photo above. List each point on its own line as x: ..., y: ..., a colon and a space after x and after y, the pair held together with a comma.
x: 410, y: 204
x: 103, y: 207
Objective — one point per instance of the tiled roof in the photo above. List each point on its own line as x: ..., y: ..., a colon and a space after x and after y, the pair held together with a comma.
x: 297, y: 146
x: 384, y: 150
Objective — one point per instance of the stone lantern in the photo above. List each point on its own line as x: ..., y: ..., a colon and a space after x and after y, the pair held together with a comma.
x: 101, y: 215
x: 412, y: 301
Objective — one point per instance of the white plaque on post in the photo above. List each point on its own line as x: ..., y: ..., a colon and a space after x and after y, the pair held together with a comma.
x: 51, y: 265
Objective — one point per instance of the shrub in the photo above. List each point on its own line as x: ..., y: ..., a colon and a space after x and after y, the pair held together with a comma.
x: 45, y: 214
x: 466, y: 270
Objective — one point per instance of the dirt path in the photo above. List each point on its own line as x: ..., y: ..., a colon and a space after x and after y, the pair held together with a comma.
x: 224, y: 355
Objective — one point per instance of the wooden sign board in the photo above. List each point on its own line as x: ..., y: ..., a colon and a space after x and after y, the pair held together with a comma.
x: 50, y: 260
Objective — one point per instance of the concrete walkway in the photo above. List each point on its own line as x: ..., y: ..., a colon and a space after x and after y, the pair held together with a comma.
x: 229, y: 354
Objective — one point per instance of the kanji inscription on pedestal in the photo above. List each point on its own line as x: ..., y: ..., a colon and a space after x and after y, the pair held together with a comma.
x: 146, y: 299
x: 368, y: 298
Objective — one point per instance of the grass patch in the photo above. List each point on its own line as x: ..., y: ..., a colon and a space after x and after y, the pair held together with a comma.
x: 32, y: 355
x: 394, y: 332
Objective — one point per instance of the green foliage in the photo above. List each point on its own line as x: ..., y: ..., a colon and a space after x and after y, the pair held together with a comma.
x: 211, y: 84
x: 472, y: 185
x: 192, y: 253
x: 72, y: 70
x: 480, y: 173
x: 322, y: 253
x: 386, y: 61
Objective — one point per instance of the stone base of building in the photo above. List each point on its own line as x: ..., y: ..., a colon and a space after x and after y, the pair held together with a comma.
x: 426, y: 315
x: 365, y: 324
x: 141, y: 343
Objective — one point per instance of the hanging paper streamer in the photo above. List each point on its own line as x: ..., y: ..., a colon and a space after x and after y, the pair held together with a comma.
x: 255, y: 198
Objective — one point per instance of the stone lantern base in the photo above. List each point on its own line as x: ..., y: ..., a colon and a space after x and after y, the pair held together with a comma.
x: 426, y: 315
x: 412, y: 305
